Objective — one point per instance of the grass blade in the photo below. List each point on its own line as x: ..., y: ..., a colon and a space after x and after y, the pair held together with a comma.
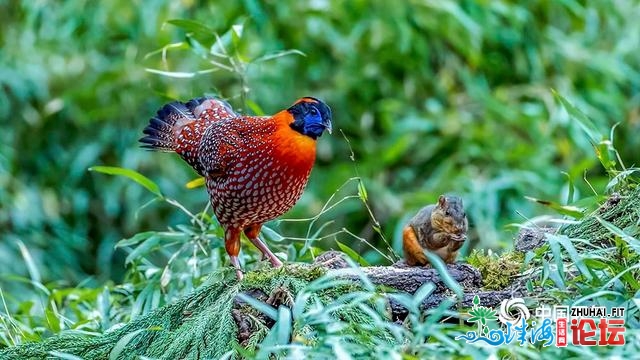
x: 131, y: 174
x: 439, y: 265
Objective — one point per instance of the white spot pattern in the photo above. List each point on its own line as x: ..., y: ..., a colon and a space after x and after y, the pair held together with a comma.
x: 248, y: 181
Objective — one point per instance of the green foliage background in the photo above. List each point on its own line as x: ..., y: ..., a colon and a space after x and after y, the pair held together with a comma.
x: 433, y: 97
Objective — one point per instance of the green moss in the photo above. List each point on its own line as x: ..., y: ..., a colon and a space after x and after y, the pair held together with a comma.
x: 263, y: 277
x: 620, y: 210
x: 497, y: 271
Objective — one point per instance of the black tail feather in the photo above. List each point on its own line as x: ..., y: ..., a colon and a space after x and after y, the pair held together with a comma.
x: 163, y: 128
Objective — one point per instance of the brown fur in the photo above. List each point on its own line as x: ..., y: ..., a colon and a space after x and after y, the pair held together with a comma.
x: 439, y: 228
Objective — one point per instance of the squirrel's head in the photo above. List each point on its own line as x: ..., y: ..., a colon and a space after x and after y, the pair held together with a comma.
x: 453, y: 218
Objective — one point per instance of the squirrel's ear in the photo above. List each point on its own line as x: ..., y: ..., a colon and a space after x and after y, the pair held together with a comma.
x: 442, y: 201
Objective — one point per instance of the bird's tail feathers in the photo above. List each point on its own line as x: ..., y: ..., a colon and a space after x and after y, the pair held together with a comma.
x: 164, y: 128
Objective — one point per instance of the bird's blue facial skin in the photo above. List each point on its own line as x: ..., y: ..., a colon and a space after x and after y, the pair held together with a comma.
x: 312, y: 118
x: 313, y: 123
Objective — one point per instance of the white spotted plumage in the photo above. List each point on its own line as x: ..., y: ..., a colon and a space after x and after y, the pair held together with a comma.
x: 255, y: 168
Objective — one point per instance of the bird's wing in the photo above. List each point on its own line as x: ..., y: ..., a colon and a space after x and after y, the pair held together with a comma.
x: 210, y: 109
x: 226, y: 142
x: 206, y: 112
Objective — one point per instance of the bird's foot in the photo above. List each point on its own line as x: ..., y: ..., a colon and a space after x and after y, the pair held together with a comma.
x: 275, y: 262
x: 236, y: 264
x: 239, y: 274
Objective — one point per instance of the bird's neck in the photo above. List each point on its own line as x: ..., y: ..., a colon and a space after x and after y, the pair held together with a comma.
x: 293, y: 147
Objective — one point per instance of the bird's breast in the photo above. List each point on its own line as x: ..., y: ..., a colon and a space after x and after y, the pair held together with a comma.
x: 258, y: 188
x: 266, y: 173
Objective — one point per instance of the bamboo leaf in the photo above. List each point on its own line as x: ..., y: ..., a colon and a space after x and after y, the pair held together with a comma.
x: 259, y: 305
x: 119, y: 347
x: 352, y: 254
x: 573, y: 211
x: 583, y: 120
x: 573, y: 254
x: 147, y: 245
x: 279, y: 54
x: 131, y: 174
x: 439, y: 265
x: 191, y: 25
x: 64, y: 355
x: 632, y: 241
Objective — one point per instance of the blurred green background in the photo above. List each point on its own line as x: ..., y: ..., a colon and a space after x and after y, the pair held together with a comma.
x: 433, y: 96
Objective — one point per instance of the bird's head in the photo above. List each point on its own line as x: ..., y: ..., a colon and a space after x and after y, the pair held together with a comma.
x: 310, y: 117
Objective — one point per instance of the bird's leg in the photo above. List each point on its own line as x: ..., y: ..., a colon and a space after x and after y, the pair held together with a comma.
x: 236, y: 264
x: 266, y: 252
x: 252, y: 233
x: 232, y: 245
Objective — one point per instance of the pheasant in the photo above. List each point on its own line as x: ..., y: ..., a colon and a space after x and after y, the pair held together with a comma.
x: 255, y: 167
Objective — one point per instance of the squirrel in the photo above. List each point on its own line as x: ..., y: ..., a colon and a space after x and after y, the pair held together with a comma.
x: 440, y: 228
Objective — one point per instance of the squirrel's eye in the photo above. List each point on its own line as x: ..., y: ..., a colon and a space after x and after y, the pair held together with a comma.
x: 447, y: 213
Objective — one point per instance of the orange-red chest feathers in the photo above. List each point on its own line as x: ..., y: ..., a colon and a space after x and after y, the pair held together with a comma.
x: 256, y: 167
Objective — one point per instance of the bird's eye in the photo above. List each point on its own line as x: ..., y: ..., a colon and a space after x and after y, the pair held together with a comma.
x: 313, y: 111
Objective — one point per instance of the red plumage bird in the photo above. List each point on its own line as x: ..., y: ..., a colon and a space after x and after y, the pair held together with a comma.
x: 255, y: 167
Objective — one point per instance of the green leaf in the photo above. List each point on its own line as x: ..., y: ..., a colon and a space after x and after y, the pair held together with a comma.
x: 53, y: 319
x: 284, y: 325
x: 632, y: 241
x: 227, y: 44
x: 573, y: 211
x: 620, y: 179
x: 255, y: 108
x: 583, y: 120
x: 571, y: 192
x: 279, y: 54
x: 352, y: 254
x: 143, y: 248
x: 135, y: 239
x: 602, y: 146
x: 439, y: 265
x: 191, y: 26
x: 131, y: 174
x: 236, y: 34
x: 264, y: 308
x: 64, y: 355
x: 423, y: 291
x: 165, y: 278
x: 34, y: 273
x: 362, y: 191
x: 180, y: 75
x: 271, y: 234
x: 596, y: 264
x: 573, y: 254
x: 557, y: 276
x: 119, y: 347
